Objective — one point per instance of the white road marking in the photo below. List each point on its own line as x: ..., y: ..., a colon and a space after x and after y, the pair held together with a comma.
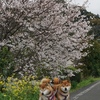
x: 85, y: 91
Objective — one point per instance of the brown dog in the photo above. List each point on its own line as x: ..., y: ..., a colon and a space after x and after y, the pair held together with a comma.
x: 46, y: 91
x: 63, y: 90
x: 55, y: 90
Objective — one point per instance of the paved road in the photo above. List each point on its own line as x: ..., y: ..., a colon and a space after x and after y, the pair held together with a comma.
x: 90, y: 92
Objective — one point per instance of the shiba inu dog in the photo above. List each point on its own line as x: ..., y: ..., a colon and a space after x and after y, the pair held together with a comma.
x: 63, y: 90
x: 54, y: 90
x: 46, y: 91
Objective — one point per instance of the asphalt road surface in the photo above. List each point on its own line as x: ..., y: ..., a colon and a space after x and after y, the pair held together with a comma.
x: 90, y: 92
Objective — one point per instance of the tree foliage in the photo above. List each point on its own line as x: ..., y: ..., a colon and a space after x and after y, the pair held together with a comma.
x: 91, y: 62
x: 94, y: 22
x: 43, y: 33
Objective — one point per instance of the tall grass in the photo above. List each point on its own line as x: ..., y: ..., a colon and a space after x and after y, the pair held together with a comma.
x: 83, y: 83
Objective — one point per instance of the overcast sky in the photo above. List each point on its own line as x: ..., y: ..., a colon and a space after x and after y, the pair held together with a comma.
x: 92, y: 6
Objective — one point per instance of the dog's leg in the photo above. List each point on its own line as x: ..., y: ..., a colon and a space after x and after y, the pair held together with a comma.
x: 40, y: 98
x: 68, y: 98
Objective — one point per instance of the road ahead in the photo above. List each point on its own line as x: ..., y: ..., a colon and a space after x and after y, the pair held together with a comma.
x: 91, y: 92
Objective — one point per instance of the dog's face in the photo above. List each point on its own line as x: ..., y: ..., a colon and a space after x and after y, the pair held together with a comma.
x: 46, y: 89
x: 65, y: 86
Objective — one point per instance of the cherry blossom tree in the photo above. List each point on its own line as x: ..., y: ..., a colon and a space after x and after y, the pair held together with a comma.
x: 43, y: 34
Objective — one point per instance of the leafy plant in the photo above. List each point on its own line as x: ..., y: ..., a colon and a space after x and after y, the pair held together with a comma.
x: 20, y: 89
x: 91, y: 62
x: 6, y: 62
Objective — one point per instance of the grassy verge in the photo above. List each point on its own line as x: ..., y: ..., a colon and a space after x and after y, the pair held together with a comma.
x: 84, y: 83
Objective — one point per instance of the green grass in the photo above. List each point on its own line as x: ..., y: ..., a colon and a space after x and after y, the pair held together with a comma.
x: 29, y: 97
x: 83, y: 83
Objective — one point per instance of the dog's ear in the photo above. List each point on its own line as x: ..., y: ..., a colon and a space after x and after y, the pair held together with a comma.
x: 48, y: 80
x: 68, y: 81
x: 56, y: 80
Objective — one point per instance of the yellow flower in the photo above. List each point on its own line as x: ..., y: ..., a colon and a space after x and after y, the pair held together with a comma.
x: 4, y: 95
x: 20, y: 87
x: 1, y: 83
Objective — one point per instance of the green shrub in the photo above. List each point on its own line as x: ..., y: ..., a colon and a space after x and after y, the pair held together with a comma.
x: 91, y: 62
x: 74, y: 84
x: 6, y: 62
